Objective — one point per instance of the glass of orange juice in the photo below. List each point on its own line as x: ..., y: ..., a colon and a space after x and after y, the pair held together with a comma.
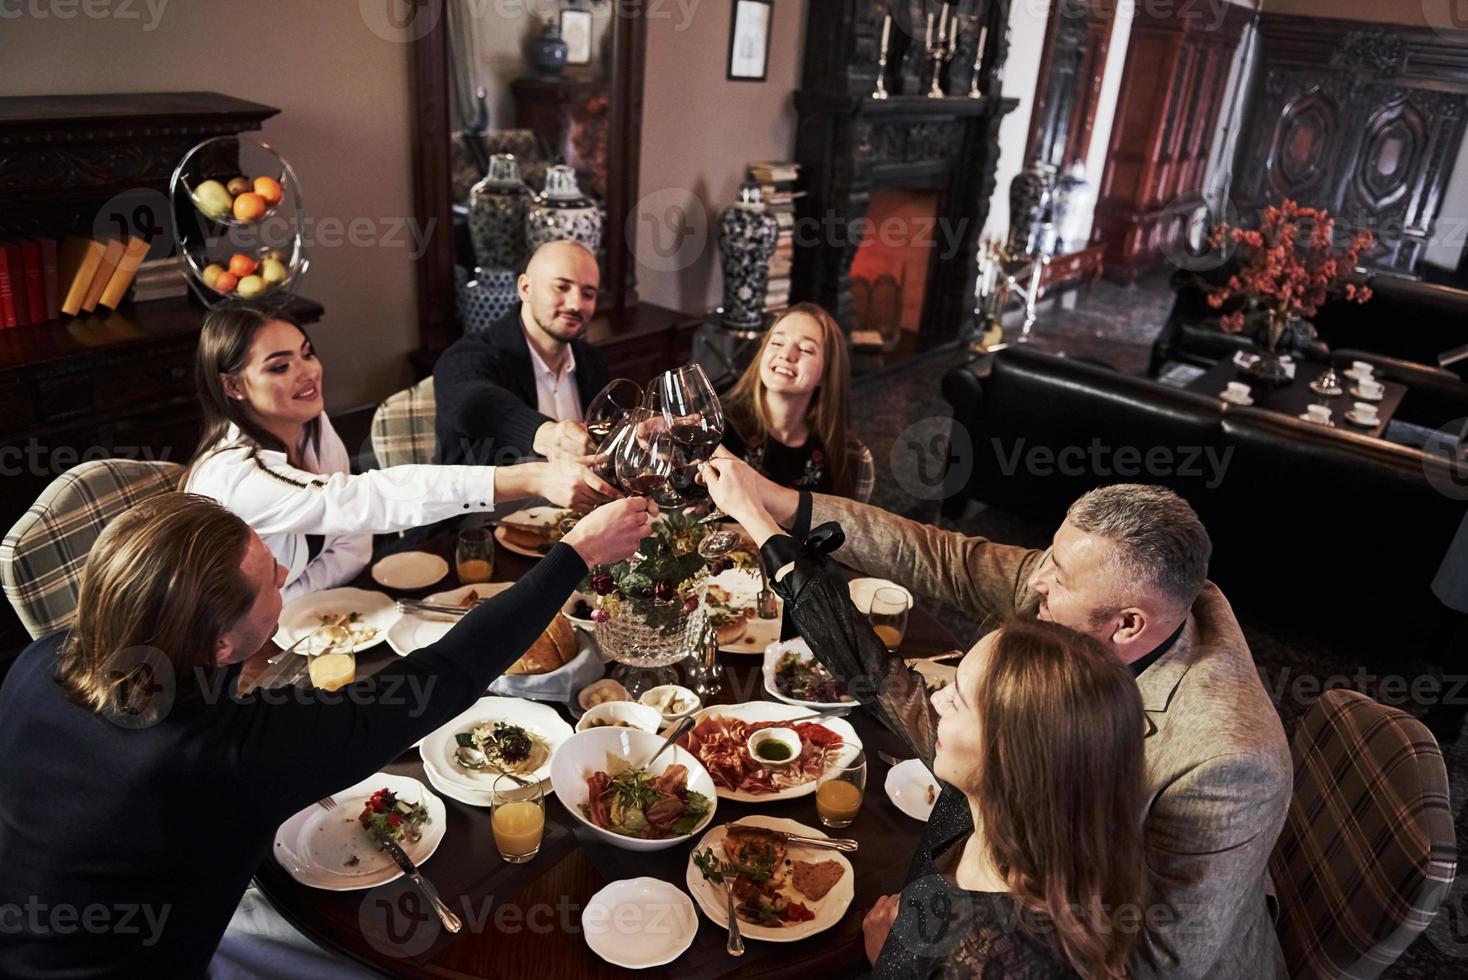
x: 888, y: 615
x: 841, y: 784
x: 474, y: 557
x: 330, y: 660
x: 517, y: 815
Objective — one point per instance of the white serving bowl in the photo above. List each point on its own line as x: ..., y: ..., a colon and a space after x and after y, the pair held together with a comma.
x: 586, y: 752
x: 638, y: 716
x: 681, y: 695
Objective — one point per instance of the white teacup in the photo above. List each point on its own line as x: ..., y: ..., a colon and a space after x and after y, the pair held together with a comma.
x: 1360, y: 369
x: 1365, y: 411
x: 1370, y: 388
x: 1237, y: 391
x: 1318, y: 413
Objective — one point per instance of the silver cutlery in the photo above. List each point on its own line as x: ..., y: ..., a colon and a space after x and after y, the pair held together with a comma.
x: 450, y: 921
x: 734, y: 946
x: 683, y: 727
x: 841, y: 712
x: 765, y: 604
x: 845, y: 845
x: 420, y: 607
x: 303, y: 638
x: 891, y: 760
x: 476, y: 761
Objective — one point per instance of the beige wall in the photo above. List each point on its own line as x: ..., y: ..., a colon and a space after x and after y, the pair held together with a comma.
x: 344, y: 126
x: 699, y: 131
x: 502, y: 31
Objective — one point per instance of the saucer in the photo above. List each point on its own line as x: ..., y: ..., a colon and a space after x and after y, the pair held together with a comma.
x: 1355, y: 419
x: 1357, y: 393
x: 1246, y: 400
x: 1305, y: 417
x: 1360, y: 375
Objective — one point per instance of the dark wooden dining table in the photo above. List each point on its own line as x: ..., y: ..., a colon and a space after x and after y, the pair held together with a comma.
x: 523, y: 921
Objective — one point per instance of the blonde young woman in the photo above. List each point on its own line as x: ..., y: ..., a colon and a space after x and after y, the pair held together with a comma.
x: 1032, y: 866
x: 787, y: 413
x: 269, y: 454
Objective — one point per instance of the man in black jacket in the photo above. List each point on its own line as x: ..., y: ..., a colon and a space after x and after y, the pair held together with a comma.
x: 521, y: 387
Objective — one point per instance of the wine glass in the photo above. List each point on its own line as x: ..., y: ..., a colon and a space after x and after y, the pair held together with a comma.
x: 610, y: 408
x: 644, y: 460
x: 695, y: 420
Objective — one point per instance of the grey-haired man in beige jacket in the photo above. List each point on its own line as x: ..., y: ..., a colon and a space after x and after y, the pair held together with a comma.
x: 1128, y: 566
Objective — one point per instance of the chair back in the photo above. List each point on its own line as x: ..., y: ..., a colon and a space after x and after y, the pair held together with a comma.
x: 1367, y: 853
x: 864, y: 474
x: 42, y: 558
x: 402, y: 427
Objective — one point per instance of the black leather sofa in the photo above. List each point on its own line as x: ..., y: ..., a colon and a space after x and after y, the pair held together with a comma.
x: 1306, y: 521
x: 1404, y: 320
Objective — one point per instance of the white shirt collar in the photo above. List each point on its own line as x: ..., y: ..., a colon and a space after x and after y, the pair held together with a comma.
x: 568, y: 366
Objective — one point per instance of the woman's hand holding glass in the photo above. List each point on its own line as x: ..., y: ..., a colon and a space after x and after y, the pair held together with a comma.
x: 573, y: 482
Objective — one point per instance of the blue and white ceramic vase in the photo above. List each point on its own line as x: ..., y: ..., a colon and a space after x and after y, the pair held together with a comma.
x: 563, y: 213
x: 1071, y: 205
x: 548, y: 51
x: 497, y: 208
x: 484, y: 298
x: 747, y: 238
x: 1029, y: 198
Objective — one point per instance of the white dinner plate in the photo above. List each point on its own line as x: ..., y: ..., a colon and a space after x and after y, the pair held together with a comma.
x: 530, y: 515
x: 409, y: 570
x: 743, y: 586
x: 414, y: 632
x: 907, y: 787
x: 303, y: 614
x: 863, y: 589
x: 773, y: 653
x: 453, y: 791
x: 315, y: 845
x: 639, y: 922
x: 774, y: 711
x: 828, y: 911
x: 539, y: 720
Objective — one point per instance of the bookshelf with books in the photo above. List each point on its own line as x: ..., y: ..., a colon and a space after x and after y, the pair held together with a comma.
x: 97, y: 329
x: 779, y: 185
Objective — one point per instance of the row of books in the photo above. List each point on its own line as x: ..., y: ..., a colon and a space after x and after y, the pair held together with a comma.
x: 41, y: 279
x: 777, y: 181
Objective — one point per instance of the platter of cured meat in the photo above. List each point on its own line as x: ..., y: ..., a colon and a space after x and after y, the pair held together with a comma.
x: 719, y: 741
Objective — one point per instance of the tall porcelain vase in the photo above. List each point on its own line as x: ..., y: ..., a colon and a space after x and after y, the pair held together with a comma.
x: 563, y: 213
x: 747, y: 238
x: 497, y: 208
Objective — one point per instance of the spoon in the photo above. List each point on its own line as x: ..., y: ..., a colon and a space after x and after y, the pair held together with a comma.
x: 683, y: 727
x: 476, y: 761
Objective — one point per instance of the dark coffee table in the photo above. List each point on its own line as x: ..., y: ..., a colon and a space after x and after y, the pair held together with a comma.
x: 1295, y: 397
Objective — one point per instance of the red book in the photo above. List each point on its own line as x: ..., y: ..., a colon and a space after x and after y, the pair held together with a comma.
x: 49, y: 274
x: 17, y: 286
x: 7, y: 296
x: 35, y: 280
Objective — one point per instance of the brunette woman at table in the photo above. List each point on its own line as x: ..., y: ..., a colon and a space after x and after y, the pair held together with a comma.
x: 1042, y: 875
x: 787, y: 414
x: 141, y: 790
x: 269, y: 453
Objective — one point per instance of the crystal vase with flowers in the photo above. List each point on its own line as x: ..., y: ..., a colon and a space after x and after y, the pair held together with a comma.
x: 650, y: 610
x: 1290, y: 264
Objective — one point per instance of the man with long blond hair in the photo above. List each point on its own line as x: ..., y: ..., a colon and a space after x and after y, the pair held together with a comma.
x: 141, y: 790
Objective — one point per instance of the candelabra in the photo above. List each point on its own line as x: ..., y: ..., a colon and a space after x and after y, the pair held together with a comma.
x: 941, y: 52
x: 974, y: 91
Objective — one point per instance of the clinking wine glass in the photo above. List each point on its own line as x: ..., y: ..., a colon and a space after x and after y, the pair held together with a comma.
x: 644, y: 460
x: 695, y: 419
x: 611, y: 407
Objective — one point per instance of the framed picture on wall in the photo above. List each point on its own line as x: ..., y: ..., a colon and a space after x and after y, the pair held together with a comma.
x: 576, y: 32
x: 749, y: 40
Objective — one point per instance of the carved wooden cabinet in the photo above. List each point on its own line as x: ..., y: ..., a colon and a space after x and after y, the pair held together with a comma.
x: 1173, y: 91
x: 1364, y: 121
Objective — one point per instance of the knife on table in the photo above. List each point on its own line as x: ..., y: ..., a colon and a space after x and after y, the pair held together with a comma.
x: 450, y: 921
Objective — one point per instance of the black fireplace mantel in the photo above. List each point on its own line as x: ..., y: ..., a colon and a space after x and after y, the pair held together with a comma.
x: 851, y: 146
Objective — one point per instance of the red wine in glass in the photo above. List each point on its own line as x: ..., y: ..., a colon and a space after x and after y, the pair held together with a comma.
x: 646, y: 484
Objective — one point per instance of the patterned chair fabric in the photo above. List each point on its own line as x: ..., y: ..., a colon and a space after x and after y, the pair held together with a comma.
x: 866, y: 470
x: 402, y: 427
x: 1368, y: 852
x: 42, y: 558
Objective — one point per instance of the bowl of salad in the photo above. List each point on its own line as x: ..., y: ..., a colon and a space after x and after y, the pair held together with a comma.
x: 598, y: 776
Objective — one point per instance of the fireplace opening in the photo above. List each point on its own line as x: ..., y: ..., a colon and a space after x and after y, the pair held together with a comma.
x: 889, y: 273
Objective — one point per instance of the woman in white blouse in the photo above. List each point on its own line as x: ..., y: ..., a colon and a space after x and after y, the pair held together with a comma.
x: 270, y: 454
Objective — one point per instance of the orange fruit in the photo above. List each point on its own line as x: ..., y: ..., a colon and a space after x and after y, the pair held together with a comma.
x: 270, y: 189
x: 249, y: 207
x: 241, y: 265
x: 225, y: 282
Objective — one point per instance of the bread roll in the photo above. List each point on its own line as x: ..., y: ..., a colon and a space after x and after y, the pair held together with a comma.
x: 532, y: 537
x: 554, y: 648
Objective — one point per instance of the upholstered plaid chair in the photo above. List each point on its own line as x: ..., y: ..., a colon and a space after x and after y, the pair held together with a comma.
x: 42, y: 558
x: 402, y: 427
x: 1367, y: 853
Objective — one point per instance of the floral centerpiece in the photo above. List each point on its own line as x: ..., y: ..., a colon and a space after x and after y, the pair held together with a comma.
x: 1290, y: 266
x: 649, y: 609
